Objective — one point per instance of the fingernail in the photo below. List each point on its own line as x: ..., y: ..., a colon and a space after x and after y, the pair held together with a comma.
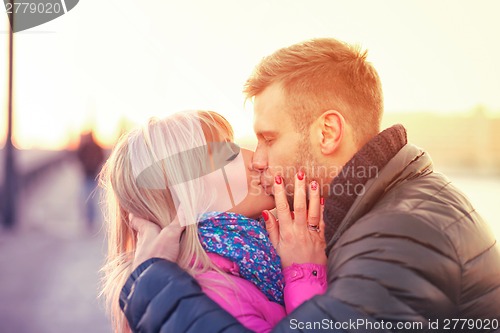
x: 300, y: 175
x: 314, y: 185
x: 292, y: 214
x: 321, y: 201
x: 265, y: 215
x: 278, y: 180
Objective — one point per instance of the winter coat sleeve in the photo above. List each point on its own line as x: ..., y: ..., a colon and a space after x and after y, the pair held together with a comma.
x: 302, y: 282
x: 160, y: 297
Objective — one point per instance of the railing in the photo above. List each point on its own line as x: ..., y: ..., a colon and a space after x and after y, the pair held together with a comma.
x: 30, y: 166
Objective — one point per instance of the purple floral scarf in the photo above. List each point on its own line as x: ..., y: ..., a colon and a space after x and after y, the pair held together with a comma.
x: 245, y: 242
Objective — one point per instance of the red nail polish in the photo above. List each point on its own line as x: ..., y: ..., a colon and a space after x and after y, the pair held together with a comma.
x: 292, y: 214
x: 314, y: 185
x: 322, y: 201
x: 278, y: 180
x: 265, y: 215
x: 300, y: 175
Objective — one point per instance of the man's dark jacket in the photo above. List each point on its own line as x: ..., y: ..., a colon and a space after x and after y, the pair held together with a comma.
x: 410, y: 249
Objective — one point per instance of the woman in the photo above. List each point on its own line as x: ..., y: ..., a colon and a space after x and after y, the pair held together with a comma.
x: 185, y: 170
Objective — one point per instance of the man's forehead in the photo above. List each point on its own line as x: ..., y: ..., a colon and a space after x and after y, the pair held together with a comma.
x: 272, y: 122
x: 263, y: 125
x: 269, y: 114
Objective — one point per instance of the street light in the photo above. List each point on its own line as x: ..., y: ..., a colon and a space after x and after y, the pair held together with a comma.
x: 10, y: 179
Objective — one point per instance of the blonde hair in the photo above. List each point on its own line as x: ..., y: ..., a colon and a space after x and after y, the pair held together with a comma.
x: 322, y: 74
x: 124, y: 194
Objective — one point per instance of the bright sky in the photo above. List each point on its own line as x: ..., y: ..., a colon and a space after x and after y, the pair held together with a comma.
x: 106, y: 61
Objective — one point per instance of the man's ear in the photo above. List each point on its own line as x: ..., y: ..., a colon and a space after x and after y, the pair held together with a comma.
x: 331, y: 130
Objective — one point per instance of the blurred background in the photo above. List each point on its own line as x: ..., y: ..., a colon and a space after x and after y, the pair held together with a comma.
x: 83, y: 79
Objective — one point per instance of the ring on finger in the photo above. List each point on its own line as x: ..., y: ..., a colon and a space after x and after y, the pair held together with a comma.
x: 313, y: 227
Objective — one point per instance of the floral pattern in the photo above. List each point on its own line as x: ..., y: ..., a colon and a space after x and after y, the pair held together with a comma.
x: 245, y: 242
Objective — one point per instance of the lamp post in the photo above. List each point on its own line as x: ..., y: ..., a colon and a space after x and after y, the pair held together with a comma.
x: 10, y: 179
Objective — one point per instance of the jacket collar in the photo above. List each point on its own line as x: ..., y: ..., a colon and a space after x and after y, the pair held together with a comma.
x: 409, y: 163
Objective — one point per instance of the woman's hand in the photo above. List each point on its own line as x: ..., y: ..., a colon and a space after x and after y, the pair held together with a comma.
x: 153, y: 242
x: 298, y: 236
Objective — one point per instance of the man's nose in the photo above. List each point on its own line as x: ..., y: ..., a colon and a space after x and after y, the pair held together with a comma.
x: 259, y: 160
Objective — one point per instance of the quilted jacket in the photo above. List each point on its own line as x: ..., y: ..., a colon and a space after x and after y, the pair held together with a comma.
x: 410, y: 251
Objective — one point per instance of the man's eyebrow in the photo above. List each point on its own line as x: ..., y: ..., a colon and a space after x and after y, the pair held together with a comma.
x: 266, y: 133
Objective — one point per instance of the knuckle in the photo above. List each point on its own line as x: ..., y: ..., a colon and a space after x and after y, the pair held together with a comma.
x: 300, y: 209
x: 282, y: 206
x: 314, y: 219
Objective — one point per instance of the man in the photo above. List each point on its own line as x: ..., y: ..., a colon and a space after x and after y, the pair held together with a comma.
x: 91, y: 157
x: 405, y: 248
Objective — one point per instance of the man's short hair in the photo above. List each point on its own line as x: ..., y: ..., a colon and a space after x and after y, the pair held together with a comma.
x: 323, y: 74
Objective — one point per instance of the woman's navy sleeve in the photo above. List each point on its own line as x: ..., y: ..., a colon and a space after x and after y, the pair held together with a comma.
x: 161, y: 297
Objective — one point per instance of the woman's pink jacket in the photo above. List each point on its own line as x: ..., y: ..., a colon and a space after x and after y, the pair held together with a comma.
x: 248, y: 304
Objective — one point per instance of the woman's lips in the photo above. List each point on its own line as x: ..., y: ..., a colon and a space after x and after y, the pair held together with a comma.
x: 267, y: 188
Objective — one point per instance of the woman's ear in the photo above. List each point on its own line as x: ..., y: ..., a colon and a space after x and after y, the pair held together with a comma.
x: 331, y: 128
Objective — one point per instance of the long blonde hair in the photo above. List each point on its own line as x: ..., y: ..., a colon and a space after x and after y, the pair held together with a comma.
x: 150, y: 195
